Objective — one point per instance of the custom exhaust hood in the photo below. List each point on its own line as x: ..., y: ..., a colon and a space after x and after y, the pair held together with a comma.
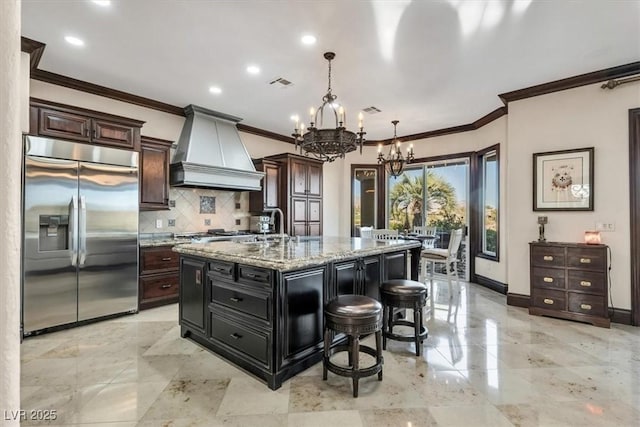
x: 210, y: 154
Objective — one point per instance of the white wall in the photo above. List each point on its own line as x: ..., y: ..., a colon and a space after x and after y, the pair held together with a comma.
x: 10, y: 161
x: 583, y: 117
x: 491, y: 134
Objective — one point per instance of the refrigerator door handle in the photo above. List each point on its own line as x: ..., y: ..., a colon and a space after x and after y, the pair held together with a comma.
x: 82, y: 221
x: 73, y: 231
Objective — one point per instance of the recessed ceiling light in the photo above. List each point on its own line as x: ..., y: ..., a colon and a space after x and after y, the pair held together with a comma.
x: 308, y: 39
x: 103, y: 3
x: 253, y: 69
x: 74, y: 41
x: 215, y: 90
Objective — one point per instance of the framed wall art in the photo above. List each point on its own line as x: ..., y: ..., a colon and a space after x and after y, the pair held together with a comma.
x: 563, y: 180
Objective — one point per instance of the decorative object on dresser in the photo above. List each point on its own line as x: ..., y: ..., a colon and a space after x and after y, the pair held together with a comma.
x: 56, y: 120
x: 328, y: 144
x: 563, y: 180
x: 159, y: 280
x: 394, y: 161
x: 569, y: 281
x: 542, y: 220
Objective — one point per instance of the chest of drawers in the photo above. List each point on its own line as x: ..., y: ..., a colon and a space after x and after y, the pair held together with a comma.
x: 569, y: 281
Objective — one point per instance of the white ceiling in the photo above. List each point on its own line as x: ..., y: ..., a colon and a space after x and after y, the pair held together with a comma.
x: 429, y: 64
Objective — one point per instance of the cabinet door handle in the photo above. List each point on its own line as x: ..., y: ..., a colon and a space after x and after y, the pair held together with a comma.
x: 95, y: 134
x: 585, y: 283
x: 585, y: 260
x: 165, y: 286
x: 235, y: 299
x: 198, y: 277
x: 548, y: 301
x: 548, y: 279
x: 166, y: 259
x: 547, y: 258
x: 585, y: 306
x: 235, y: 336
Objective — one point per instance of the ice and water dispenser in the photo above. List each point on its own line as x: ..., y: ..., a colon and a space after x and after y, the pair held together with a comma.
x: 53, y: 233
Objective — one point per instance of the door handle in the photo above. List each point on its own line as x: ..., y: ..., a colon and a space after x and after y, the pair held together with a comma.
x: 82, y: 232
x: 73, y: 230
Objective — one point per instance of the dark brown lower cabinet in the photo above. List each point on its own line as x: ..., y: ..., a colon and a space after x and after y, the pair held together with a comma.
x: 268, y: 322
x: 159, y: 278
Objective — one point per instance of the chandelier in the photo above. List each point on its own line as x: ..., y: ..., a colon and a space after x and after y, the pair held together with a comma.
x: 394, y: 161
x: 328, y: 144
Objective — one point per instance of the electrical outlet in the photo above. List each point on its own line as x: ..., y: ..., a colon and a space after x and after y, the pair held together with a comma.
x: 238, y: 222
x: 171, y: 222
x: 172, y: 203
x: 605, y: 226
x: 237, y: 205
x: 207, y: 221
x: 158, y: 223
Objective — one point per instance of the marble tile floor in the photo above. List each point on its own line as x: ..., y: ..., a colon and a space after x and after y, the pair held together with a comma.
x: 484, y: 364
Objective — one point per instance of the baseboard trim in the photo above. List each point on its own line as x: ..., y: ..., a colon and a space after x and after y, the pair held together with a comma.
x: 494, y: 285
x: 620, y: 315
x: 518, y: 300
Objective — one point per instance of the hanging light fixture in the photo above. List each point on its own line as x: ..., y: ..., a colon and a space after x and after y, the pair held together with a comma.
x: 328, y: 144
x: 395, y: 161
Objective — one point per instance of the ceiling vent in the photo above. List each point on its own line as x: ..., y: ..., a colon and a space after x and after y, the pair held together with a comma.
x: 280, y: 81
x: 372, y: 110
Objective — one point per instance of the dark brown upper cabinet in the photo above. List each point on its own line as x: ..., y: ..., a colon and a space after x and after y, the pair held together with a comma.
x: 154, y: 173
x: 78, y: 124
x: 269, y: 196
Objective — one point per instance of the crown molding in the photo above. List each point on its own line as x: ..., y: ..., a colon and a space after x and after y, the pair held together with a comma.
x: 35, y: 49
x: 572, y: 82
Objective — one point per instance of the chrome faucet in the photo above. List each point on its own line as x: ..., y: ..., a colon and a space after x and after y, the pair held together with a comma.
x: 273, y: 213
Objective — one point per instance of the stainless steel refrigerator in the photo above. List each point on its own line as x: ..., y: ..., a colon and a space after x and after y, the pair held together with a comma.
x: 80, y: 226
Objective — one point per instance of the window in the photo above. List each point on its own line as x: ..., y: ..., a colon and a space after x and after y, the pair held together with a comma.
x: 489, y: 173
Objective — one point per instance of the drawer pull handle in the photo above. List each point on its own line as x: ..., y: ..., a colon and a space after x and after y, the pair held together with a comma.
x: 235, y: 299
x: 548, y: 279
x: 585, y: 260
x: 235, y: 336
x: 585, y: 306
x: 255, y: 276
x: 165, y: 286
x: 222, y: 270
x: 585, y: 283
x: 166, y: 259
x: 548, y: 301
x: 547, y: 258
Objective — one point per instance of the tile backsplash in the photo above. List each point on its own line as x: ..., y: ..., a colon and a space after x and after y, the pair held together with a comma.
x: 229, y: 207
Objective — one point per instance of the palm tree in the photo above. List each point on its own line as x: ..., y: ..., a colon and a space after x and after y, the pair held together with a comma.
x: 407, y: 201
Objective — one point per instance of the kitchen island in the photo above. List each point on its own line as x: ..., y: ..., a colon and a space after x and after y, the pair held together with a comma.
x: 260, y: 304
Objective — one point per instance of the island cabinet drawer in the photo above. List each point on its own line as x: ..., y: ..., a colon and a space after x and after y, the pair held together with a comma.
x: 243, y: 300
x: 550, y: 300
x: 164, y: 285
x: 594, y: 305
x: 254, y: 275
x: 222, y: 269
x: 158, y: 259
x: 552, y: 278
x: 587, y: 281
x: 242, y: 338
x: 547, y: 256
x: 587, y: 258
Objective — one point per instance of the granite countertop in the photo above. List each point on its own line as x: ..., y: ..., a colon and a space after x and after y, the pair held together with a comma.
x: 161, y: 239
x: 294, y: 255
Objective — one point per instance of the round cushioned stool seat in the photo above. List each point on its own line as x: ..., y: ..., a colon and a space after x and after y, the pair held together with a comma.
x: 404, y: 287
x: 403, y: 293
x: 353, y: 315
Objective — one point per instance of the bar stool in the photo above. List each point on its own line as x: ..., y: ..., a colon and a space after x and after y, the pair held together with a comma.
x: 403, y: 293
x: 353, y: 315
